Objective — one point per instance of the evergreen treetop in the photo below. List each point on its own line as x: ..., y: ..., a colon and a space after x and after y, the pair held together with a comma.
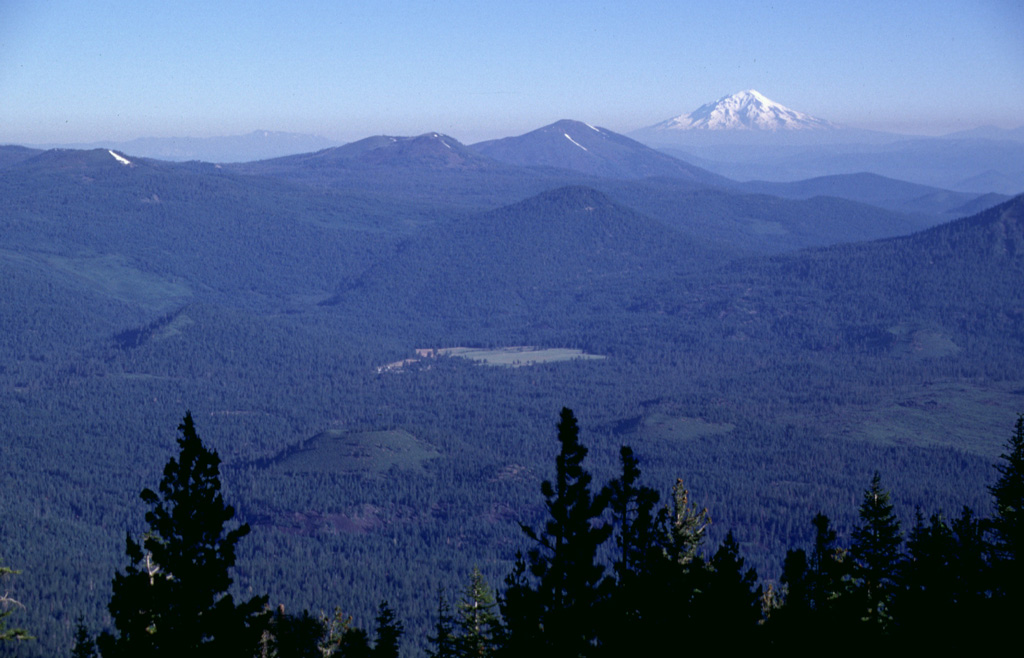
x: 7, y: 605
x: 876, y: 552
x: 553, y: 612
x: 480, y: 631
x: 1008, y: 521
x: 172, y: 599
x: 389, y: 633
x: 1008, y: 494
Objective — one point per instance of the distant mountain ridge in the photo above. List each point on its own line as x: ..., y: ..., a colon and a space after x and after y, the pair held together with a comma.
x: 431, y: 170
x: 989, y: 132
x: 880, y: 191
x: 67, y: 160
x: 964, y: 165
x: 257, y: 145
x: 591, y: 150
x: 433, y: 150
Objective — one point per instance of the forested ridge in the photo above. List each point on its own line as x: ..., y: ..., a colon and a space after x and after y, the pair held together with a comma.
x: 775, y: 384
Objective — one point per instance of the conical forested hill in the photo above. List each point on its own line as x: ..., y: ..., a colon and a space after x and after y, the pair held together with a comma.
x: 565, y: 253
x: 592, y: 150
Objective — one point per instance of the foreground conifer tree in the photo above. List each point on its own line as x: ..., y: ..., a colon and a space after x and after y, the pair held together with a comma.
x: 1008, y: 523
x: 876, y: 554
x: 442, y: 641
x: 389, y: 633
x: 480, y: 631
x: 6, y: 608
x: 172, y: 599
x: 549, y: 606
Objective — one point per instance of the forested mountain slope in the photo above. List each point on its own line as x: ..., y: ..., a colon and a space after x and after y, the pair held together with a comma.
x: 433, y: 170
x: 775, y: 386
x: 592, y: 150
x: 962, y: 276
x: 758, y: 223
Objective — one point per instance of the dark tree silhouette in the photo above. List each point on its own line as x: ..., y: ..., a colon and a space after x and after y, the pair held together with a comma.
x: 172, y: 599
x: 730, y: 604
x: 85, y: 645
x: 1008, y: 521
x: 640, y: 613
x: 550, y: 610
x: 292, y: 636
x: 441, y: 644
x: 389, y: 633
x: 876, y: 554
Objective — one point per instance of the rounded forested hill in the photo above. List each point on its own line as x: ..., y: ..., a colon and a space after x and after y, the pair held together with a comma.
x: 569, y: 252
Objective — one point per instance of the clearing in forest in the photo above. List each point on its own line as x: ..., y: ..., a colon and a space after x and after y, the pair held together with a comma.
x: 514, y: 356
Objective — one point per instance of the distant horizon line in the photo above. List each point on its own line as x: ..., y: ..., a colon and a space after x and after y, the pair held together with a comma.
x: 103, y: 141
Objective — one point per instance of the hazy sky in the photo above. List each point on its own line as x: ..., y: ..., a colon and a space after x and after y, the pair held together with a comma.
x: 75, y: 71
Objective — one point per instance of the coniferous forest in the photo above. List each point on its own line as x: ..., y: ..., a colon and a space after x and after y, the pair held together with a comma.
x: 610, y: 571
x: 790, y: 416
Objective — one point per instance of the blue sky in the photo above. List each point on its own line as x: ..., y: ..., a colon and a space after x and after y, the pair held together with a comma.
x: 75, y: 71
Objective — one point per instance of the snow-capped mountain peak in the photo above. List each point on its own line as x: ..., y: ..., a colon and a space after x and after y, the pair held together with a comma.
x: 746, y: 110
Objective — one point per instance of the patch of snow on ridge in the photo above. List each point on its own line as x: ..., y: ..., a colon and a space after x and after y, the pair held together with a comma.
x: 120, y: 158
x: 575, y: 142
x: 597, y: 130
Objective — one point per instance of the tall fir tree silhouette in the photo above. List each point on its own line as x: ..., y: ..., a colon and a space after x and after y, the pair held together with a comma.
x: 172, y: 600
x: 389, y: 633
x: 1008, y: 521
x: 877, y: 557
x: 552, y: 594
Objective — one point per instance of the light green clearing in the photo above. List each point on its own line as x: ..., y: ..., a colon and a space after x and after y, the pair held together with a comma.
x: 174, y: 328
x: 336, y: 451
x: 512, y: 356
x: 977, y: 419
x: 661, y: 426
x: 923, y: 342
x: 763, y: 227
x: 111, y: 276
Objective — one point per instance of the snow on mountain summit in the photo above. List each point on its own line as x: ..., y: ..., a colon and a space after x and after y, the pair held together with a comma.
x: 747, y: 111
